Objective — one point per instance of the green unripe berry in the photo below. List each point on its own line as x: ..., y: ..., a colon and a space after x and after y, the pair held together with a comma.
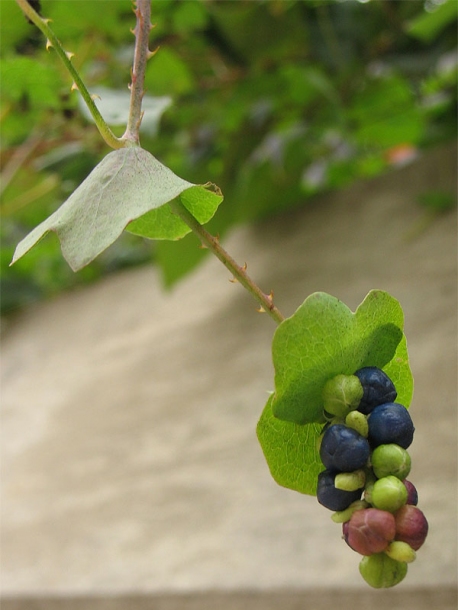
x: 350, y: 481
x: 358, y: 421
x: 389, y: 494
x: 391, y: 460
x: 342, y: 516
x: 342, y: 394
x: 400, y: 551
x: 381, y: 571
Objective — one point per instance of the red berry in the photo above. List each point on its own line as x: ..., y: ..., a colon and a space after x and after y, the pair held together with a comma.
x: 369, y: 531
x: 411, y: 526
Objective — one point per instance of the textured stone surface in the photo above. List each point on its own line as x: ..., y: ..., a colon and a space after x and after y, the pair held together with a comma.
x: 129, y: 456
x: 311, y: 599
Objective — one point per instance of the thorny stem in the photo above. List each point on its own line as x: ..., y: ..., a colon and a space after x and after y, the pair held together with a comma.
x: 141, y: 56
x: 239, y: 273
x: 131, y: 136
x: 54, y: 42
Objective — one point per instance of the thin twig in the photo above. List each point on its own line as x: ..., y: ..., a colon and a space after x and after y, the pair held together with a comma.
x: 141, y: 56
x: 18, y: 158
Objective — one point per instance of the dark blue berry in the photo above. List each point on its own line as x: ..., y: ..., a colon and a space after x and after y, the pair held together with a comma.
x: 377, y: 388
x: 332, y: 498
x: 390, y: 423
x: 343, y: 449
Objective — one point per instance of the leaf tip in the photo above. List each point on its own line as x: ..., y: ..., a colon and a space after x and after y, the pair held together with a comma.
x: 213, y: 188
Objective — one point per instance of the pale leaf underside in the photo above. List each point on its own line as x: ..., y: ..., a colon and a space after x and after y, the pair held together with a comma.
x: 127, y: 184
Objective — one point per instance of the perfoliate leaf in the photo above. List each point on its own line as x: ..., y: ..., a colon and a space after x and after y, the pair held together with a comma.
x: 202, y: 201
x: 323, y: 339
x: 124, y: 186
x: 291, y: 451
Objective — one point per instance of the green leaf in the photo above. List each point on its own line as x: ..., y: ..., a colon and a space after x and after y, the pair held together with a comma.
x: 168, y: 74
x: 427, y: 26
x: 321, y: 340
x: 125, y: 185
x: 324, y: 339
x: 107, y: 20
x: 202, y: 201
x: 14, y: 28
x: 439, y: 201
x: 25, y: 78
x: 384, y: 113
x: 189, y: 16
x: 291, y: 451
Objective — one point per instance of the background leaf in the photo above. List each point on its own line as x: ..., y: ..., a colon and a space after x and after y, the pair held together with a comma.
x: 23, y: 77
x: 428, y: 25
x: 114, y: 105
x: 323, y: 339
x: 126, y: 184
x: 273, y: 101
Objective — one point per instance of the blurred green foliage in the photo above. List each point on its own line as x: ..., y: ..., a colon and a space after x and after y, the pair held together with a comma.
x: 274, y: 101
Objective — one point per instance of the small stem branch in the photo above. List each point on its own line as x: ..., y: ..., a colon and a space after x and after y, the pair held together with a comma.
x: 54, y: 42
x: 239, y: 273
x: 141, y: 56
x: 18, y: 159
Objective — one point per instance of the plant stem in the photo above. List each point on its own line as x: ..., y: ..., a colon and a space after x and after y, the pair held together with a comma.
x: 239, y: 273
x: 131, y: 135
x: 54, y: 42
x: 141, y: 56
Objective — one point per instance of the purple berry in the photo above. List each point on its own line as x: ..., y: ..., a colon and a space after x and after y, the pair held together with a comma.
x: 412, y: 494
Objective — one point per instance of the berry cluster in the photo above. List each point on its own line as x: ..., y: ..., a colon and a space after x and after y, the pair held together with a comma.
x: 363, y: 449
